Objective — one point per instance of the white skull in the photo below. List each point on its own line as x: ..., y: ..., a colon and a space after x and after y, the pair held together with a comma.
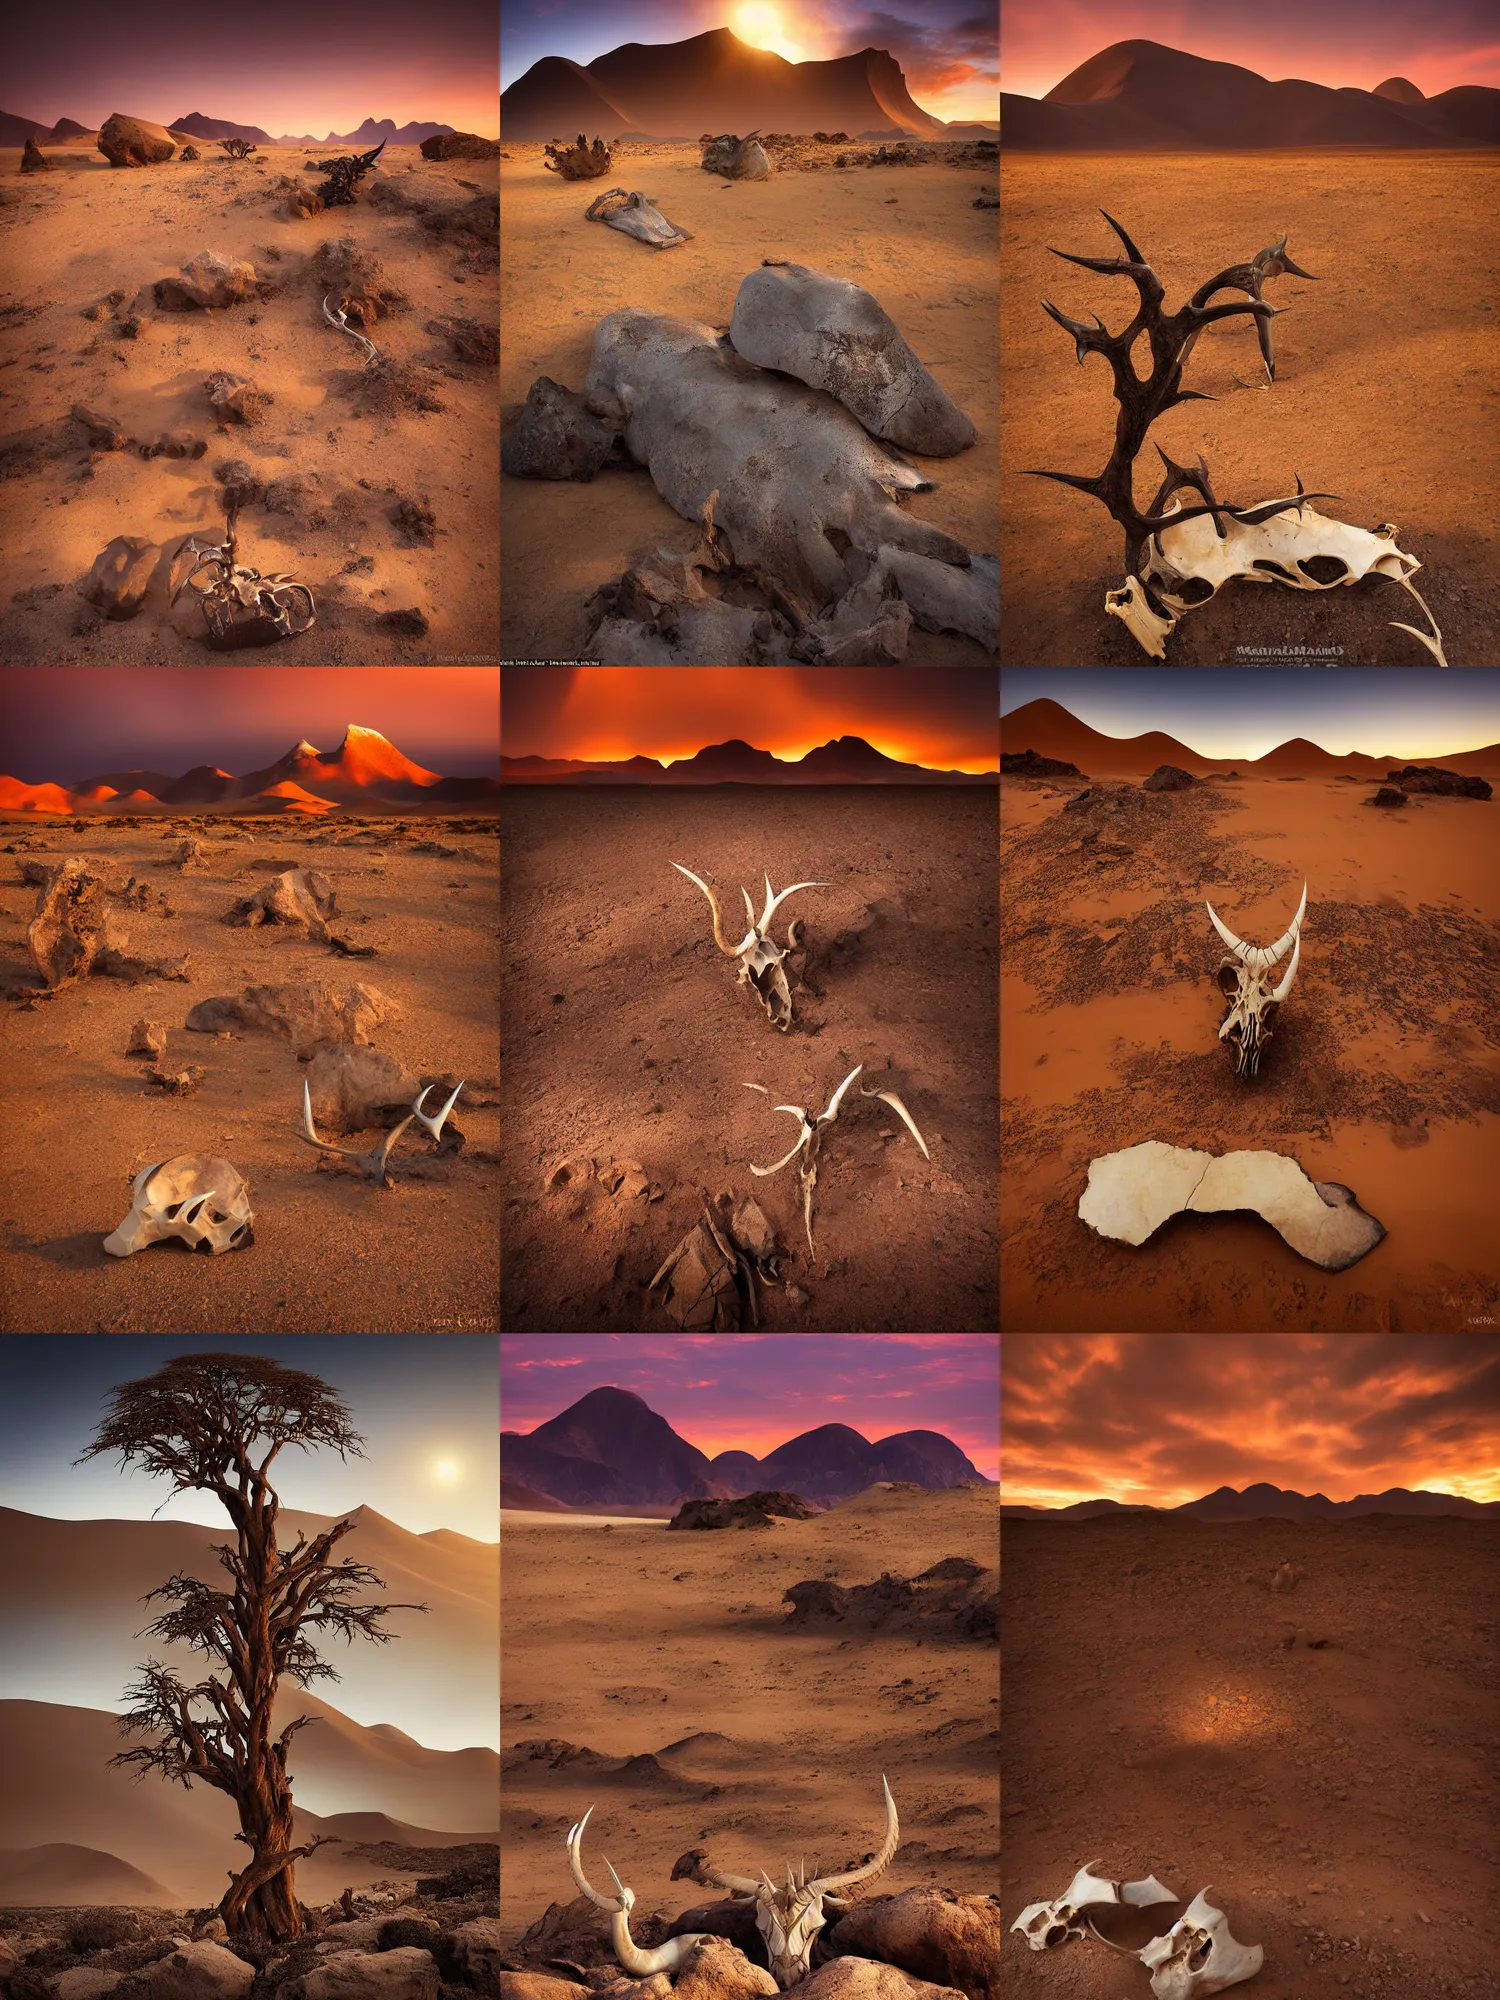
x: 198, y: 1196
x: 1046, y: 1924
x: 1247, y: 983
x: 1198, y: 1956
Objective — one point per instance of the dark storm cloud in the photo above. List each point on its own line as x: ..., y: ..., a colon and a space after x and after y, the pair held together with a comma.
x: 935, y: 52
x: 1162, y: 1418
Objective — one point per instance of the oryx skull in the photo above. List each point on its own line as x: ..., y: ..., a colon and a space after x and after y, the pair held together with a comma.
x: 1245, y: 982
x: 760, y: 958
x: 198, y: 1197
x: 1198, y: 1956
x: 1047, y: 1924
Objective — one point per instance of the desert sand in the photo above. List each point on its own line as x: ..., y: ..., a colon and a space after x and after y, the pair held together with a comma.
x: 1329, y: 1793
x: 74, y: 236
x: 626, y: 1036
x: 699, y: 1679
x: 333, y: 1253
x: 908, y: 234
x: 1382, y: 1073
x: 1385, y: 394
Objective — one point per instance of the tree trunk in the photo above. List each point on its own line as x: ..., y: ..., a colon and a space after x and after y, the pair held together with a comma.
x: 261, y: 1901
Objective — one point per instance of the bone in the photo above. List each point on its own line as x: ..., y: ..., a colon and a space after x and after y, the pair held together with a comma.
x: 835, y: 336
x: 1198, y: 1956
x: 373, y: 1165
x: 739, y: 159
x: 636, y: 215
x: 199, y: 1198
x: 1130, y: 1194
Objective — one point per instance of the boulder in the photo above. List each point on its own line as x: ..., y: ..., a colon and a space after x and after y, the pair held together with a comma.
x: 737, y: 159
x: 189, y: 854
x: 1432, y: 778
x: 200, y: 1970
x: 459, y: 146
x: 236, y: 400
x: 209, y: 279
x: 299, y: 898
x: 72, y: 925
x: 1167, y: 778
x: 147, y: 1038
x: 303, y: 201
x: 718, y: 1970
x: 355, y: 281
x: 85, y: 1982
x: 475, y: 1951
x: 134, y: 142
x: 34, y: 160
x: 542, y: 1986
x: 121, y: 574
x: 952, y: 1940
x: 309, y: 1014
x: 104, y: 433
x: 1027, y: 764
x: 190, y: 153
x: 557, y: 436
x: 349, y: 1086
x: 869, y: 1979
x: 1387, y: 797
x: 407, y: 1974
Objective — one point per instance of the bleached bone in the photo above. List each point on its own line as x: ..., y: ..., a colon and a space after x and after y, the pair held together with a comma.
x: 198, y: 1197
x: 340, y: 319
x: 430, y: 1124
x: 789, y: 1918
x: 639, y: 1963
x: 760, y: 957
x: 371, y: 1164
x: 889, y: 1097
x: 1247, y: 987
x: 1198, y: 1956
x: 636, y: 215
x: 810, y: 1139
x: 1046, y: 1924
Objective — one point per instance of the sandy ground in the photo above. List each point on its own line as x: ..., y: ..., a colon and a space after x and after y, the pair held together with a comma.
x: 910, y: 235
x: 332, y: 1253
x: 1388, y: 373
x: 1383, y: 1072
x: 626, y: 1035
x: 70, y: 237
x: 665, y: 1640
x: 1338, y: 1800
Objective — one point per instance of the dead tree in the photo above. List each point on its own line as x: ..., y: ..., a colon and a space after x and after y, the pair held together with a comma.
x: 214, y: 1423
x: 237, y: 149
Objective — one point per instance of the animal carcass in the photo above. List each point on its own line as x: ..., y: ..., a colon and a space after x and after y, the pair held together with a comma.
x: 636, y: 215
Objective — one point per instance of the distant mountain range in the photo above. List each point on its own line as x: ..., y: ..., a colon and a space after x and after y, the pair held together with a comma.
x: 372, y: 132
x: 15, y: 131
x: 714, y: 82
x: 611, y: 1448
x: 1051, y: 730
x: 367, y: 770
x: 1262, y: 1502
x: 847, y: 760
x: 203, y: 127
x: 1140, y: 95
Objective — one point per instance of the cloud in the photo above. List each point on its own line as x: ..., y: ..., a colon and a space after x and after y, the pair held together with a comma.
x: 572, y: 1363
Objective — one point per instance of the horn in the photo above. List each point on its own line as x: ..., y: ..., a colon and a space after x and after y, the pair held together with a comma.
x: 1291, y: 972
x: 729, y: 950
x: 879, y: 1861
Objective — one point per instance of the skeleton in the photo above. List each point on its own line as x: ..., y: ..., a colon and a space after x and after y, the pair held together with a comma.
x: 788, y: 1919
x: 340, y: 319
x: 339, y: 189
x: 636, y: 215
x: 1046, y: 1924
x: 1195, y: 1958
x: 373, y: 1163
x: 197, y: 1197
x: 241, y: 607
x: 1245, y: 982
x: 760, y: 958
x: 1172, y: 559
x: 811, y: 1138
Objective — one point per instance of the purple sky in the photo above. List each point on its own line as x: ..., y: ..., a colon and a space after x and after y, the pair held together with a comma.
x: 753, y: 1391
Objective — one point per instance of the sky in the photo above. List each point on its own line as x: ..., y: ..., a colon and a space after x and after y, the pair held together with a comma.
x: 941, y: 717
x: 425, y: 1405
x: 1158, y: 1419
x: 754, y: 1391
x: 1340, y: 43
x: 290, y: 68
x: 946, y: 48
x: 1411, y: 713
x: 60, y: 724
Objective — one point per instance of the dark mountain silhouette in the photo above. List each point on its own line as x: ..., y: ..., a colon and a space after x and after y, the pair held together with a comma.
x: 1140, y: 94
x: 1261, y: 1502
x: 203, y: 127
x: 611, y: 1448
x: 69, y: 128
x: 847, y: 760
x: 712, y: 82
x: 16, y: 131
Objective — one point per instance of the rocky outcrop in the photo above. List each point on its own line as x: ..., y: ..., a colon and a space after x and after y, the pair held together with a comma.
x: 753, y: 1511
x: 34, y: 160
x: 1027, y: 764
x: 208, y: 280
x: 952, y: 1596
x: 120, y: 576
x: 1168, y: 778
x: 934, y: 1934
x: 1388, y: 798
x: 310, y: 1015
x: 300, y: 898
x: 72, y: 925
x: 459, y: 146
x: 134, y: 142
x: 1432, y: 778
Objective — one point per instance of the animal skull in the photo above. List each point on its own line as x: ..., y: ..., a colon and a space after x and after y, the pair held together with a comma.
x: 1047, y: 1924
x: 760, y: 957
x: 1245, y: 983
x: 1198, y: 1956
x: 197, y: 1196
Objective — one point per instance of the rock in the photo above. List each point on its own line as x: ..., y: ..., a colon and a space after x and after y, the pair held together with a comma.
x: 34, y: 160
x: 199, y: 1971
x: 475, y: 1951
x: 407, y: 1974
x: 190, y: 153
x: 134, y: 142
x: 72, y: 925
x: 178, y: 1083
x: 104, y: 433
x: 868, y: 1979
x: 189, y: 854
x: 718, y: 1970
x: 542, y: 1986
x: 752, y: 1510
x: 1027, y: 764
x: 557, y: 436
x: 1388, y: 797
x: 932, y: 1934
x: 120, y: 576
x: 468, y: 339
x: 1432, y: 778
x: 303, y: 201
x: 388, y: 387
x: 147, y: 1038
x: 408, y: 624
x: 355, y: 280
x: 1167, y: 778
x: 309, y: 1014
x: 210, y: 280
x: 85, y: 1982
x: 215, y: 1930
x: 235, y: 400
x: 299, y: 897
x: 239, y: 481
x: 415, y: 520
x: 348, y: 1086
x: 459, y: 146
x: 737, y: 159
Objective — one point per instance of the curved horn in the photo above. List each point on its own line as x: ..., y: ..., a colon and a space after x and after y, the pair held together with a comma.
x: 434, y: 1124
x: 575, y: 1863
x: 774, y: 903
x: 729, y: 950
x: 837, y: 1098
x: 746, y: 1885
x: 1240, y: 949
x: 880, y: 1861
x: 640, y: 1964
x: 1291, y: 972
x: 749, y: 907
x: 889, y: 1097
x: 310, y: 1136
x: 1260, y: 957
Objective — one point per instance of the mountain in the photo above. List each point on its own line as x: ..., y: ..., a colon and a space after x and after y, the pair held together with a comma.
x: 514, y: 1494
x: 611, y: 1448
x: 1139, y: 94
x: 220, y: 128
x: 18, y: 798
x: 1261, y: 1502
x: 69, y: 128
x: 375, y: 130
x: 1081, y: 1510
x: 16, y: 131
x: 1051, y: 730
x: 60, y: 1873
x: 847, y: 760
x: 364, y: 761
x: 712, y: 82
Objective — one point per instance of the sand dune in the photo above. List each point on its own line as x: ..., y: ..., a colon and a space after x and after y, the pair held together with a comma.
x: 62, y: 1873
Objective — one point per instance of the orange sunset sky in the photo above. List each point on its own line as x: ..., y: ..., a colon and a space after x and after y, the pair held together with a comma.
x: 944, y: 719
x: 1160, y: 1419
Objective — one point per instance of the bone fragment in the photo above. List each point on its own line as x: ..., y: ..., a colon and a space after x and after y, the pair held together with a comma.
x: 636, y: 215
x: 1131, y: 1193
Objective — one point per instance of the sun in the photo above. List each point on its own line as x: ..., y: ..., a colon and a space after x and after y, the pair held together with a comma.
x: 760, y: 25
x: 445, y: 1471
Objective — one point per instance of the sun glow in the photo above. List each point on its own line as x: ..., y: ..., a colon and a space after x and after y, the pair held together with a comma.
x: 445, y: 1472
x: 760, y: 26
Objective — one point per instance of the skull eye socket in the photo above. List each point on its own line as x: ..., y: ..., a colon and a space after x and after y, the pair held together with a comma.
x: 1229, y: 980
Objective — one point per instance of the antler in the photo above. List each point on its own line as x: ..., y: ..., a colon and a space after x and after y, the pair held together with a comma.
x: 424, y: 1119
x: 1171, y: 338
x: 371, y: 1164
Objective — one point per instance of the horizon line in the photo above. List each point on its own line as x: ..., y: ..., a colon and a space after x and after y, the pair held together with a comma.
x: 1228, y: 756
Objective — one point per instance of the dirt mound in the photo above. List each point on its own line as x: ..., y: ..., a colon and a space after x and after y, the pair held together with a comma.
x: 947, y: 1598
x: 754, y: 1510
